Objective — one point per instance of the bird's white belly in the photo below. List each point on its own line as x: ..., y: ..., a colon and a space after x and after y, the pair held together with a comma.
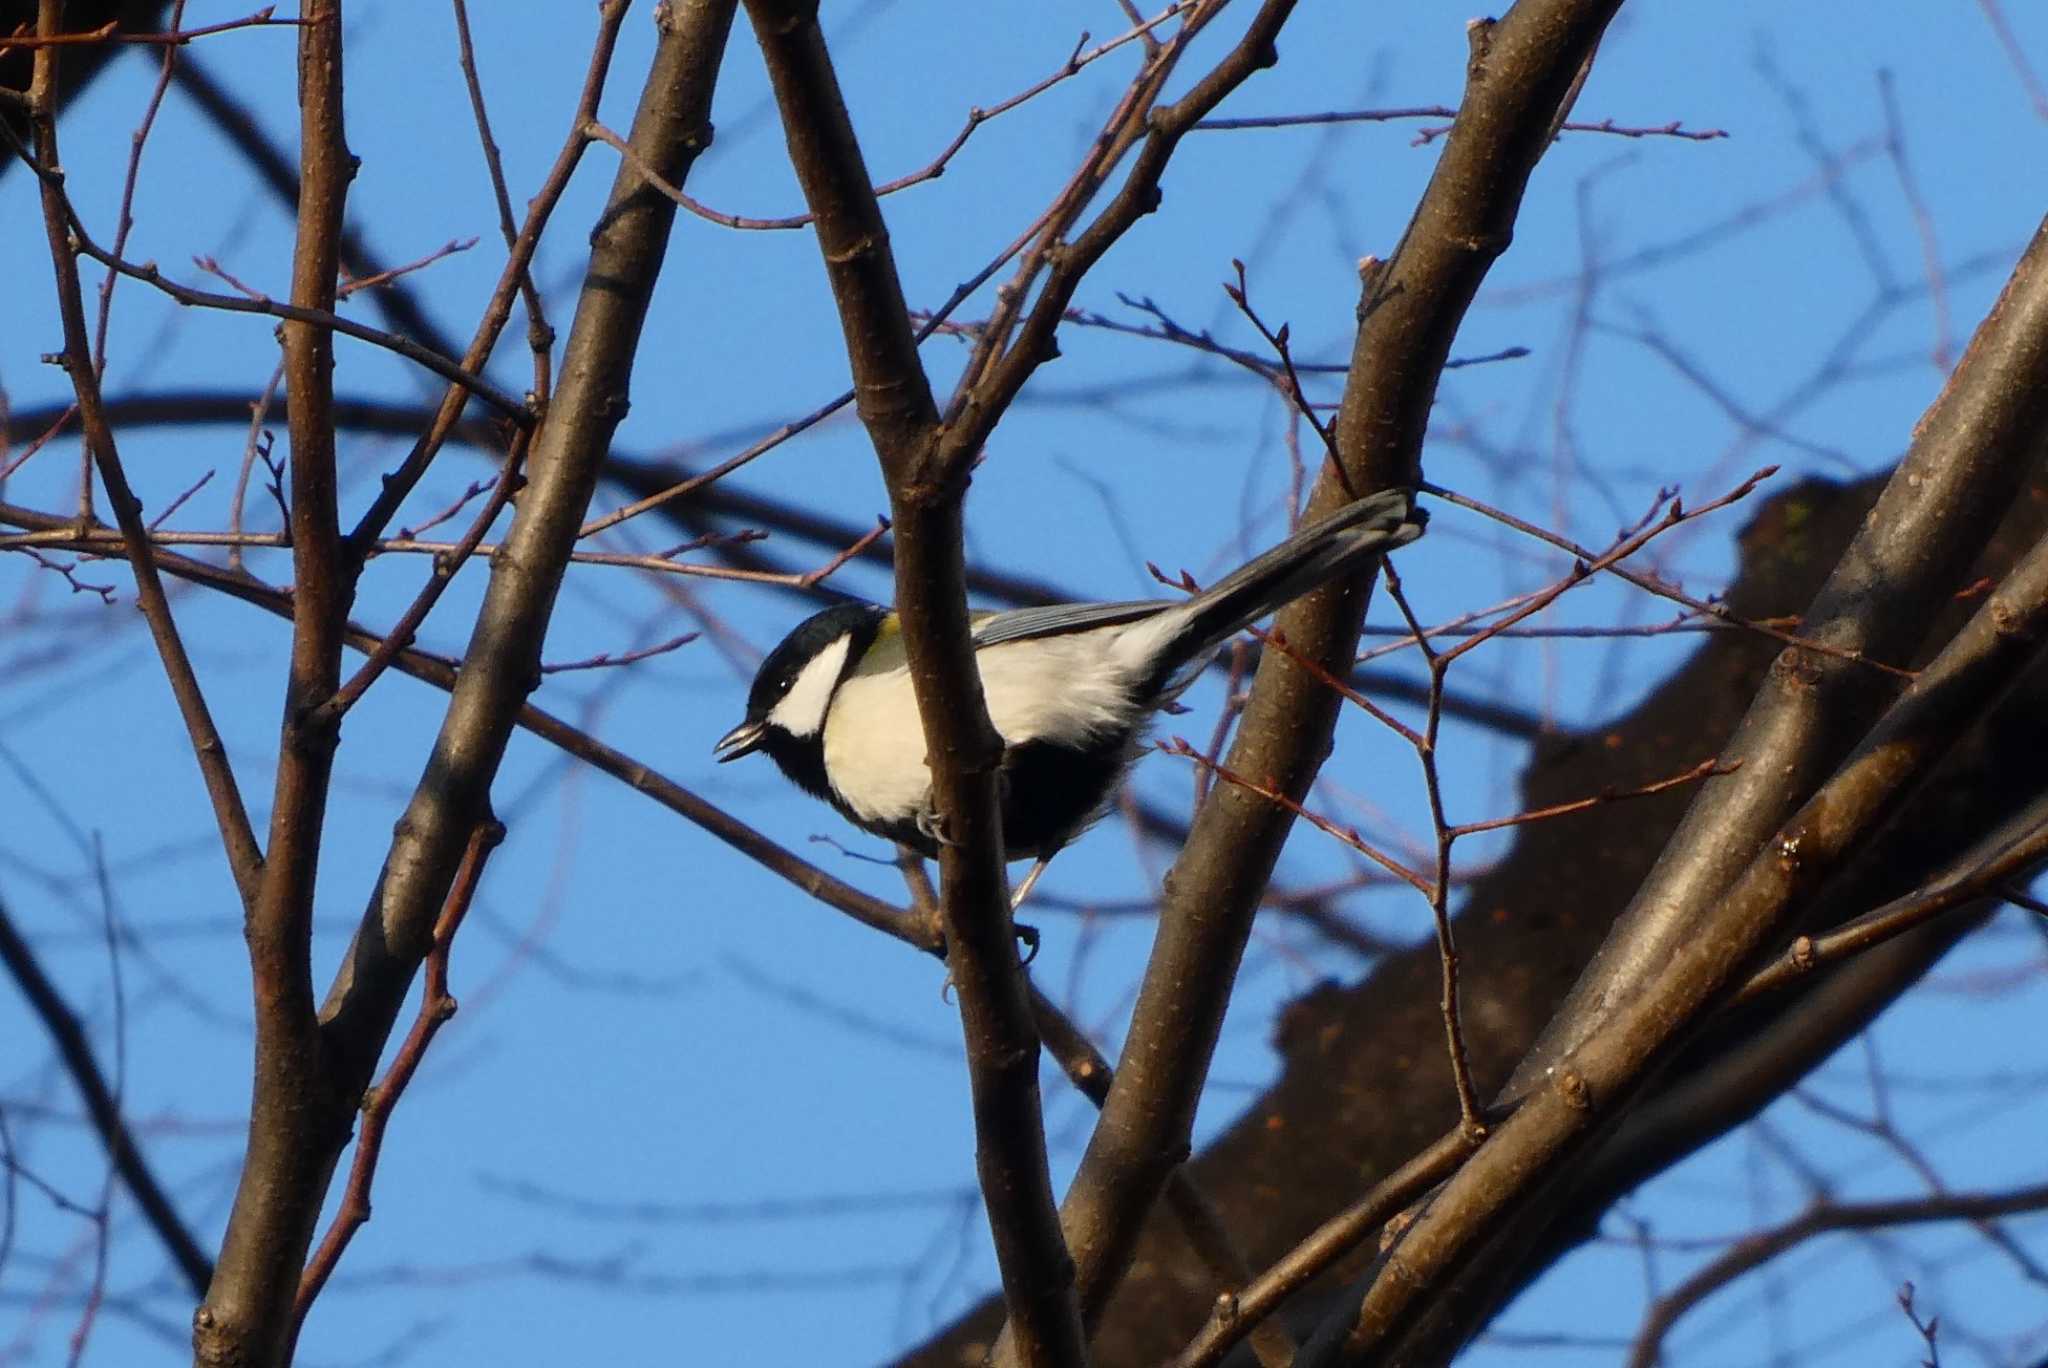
x: 1065, y: 689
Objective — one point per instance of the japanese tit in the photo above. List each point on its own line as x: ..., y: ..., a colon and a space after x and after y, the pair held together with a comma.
x: 1069, y: 687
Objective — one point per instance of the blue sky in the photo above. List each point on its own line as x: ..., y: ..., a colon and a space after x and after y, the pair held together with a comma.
x: 685, y: 1115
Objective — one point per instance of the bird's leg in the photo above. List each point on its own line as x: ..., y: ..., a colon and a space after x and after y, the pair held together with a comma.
x: 1023, y: 890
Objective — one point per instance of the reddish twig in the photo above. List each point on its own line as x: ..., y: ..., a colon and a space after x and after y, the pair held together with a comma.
x: 540, y: 336
x: 931, y: 170
x: 1651, y: 584
x: 1240, y: 295
x: 462, y: 501
x: 258, y: 303
x: 175, y: 504
x: 446, y: 563
x: 1348, y: 835
x: 385, y: 277
x: 99, y: 540
x: 812, y: 578
x: 1927, y: 1329
x: 1675, y: 129
x: 69, y: 572
x: 173, y: 37
x: 49, y: 435
x: 400, y: 482
x: 1705, y: 769
x: 607, y: 660
x: 436, y: 1007
x: 1439, y: 891
x: 212, y: 267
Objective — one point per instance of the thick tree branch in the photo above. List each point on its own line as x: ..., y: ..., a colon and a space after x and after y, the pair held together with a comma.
x: 1521, y: 72
x: 1981, y: 437
x: 1969, y: 454
x: 273, y: 1215
x: 1590, y: 1085
x: 1363, y: 1088
x: 291, y: 1124
x: 895, y: 403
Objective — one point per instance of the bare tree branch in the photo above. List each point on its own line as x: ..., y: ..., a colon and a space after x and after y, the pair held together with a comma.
x: 896, y: 406
x: 1520, y: 72
x: 1588, y: 1086
x: 1753, y: 1251
x: 1957, y: 480
x: 247, y: 1317
x: 238, y: 837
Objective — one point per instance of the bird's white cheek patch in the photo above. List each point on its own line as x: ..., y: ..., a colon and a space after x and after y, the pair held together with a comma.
x: 802, y: 710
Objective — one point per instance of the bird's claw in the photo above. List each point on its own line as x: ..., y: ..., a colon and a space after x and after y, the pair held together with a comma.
x: 932, y: 826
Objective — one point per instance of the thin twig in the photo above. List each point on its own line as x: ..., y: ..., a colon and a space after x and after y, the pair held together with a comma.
x: 174, y: 37
x: 540, y: 336
x: 258, y: 303
x: 498, y: 312
x: 1753, y: 1251
x: 607, y: 660
x: 1348, y: 835
x: 436, y: 1007
x: 1240, y: 295
x: 1674, y: 129
x: 1809, y: 952
x: 1141, y: 30
x: 1654, y: 585
x: 101, y: 540
x: 1439, y: 893
x: 124, y: 223
x: 238, y: 837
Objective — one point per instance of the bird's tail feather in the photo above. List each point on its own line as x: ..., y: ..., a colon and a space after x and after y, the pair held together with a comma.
x: 1315, y: 554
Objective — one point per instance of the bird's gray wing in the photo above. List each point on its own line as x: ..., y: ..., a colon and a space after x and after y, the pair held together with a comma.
x: 1056, y: 619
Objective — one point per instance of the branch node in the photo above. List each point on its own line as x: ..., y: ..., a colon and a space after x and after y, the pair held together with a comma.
x: 1571, y: 1085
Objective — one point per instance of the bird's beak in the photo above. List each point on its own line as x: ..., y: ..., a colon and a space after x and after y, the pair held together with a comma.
x: 744, y: 739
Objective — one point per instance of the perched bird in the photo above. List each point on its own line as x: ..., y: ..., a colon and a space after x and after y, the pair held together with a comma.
x: 1069, y: 686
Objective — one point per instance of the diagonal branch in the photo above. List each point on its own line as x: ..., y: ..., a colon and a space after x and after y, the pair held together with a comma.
x: 1941, y: 505
x: 1521, y: 73
x: 238, y: 837
x: 1592, y: 1083
x: 247, y: 1317
x: 1753, y: 1251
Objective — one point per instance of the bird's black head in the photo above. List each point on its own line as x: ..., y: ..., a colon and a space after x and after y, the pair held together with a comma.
x: 794, y: 685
